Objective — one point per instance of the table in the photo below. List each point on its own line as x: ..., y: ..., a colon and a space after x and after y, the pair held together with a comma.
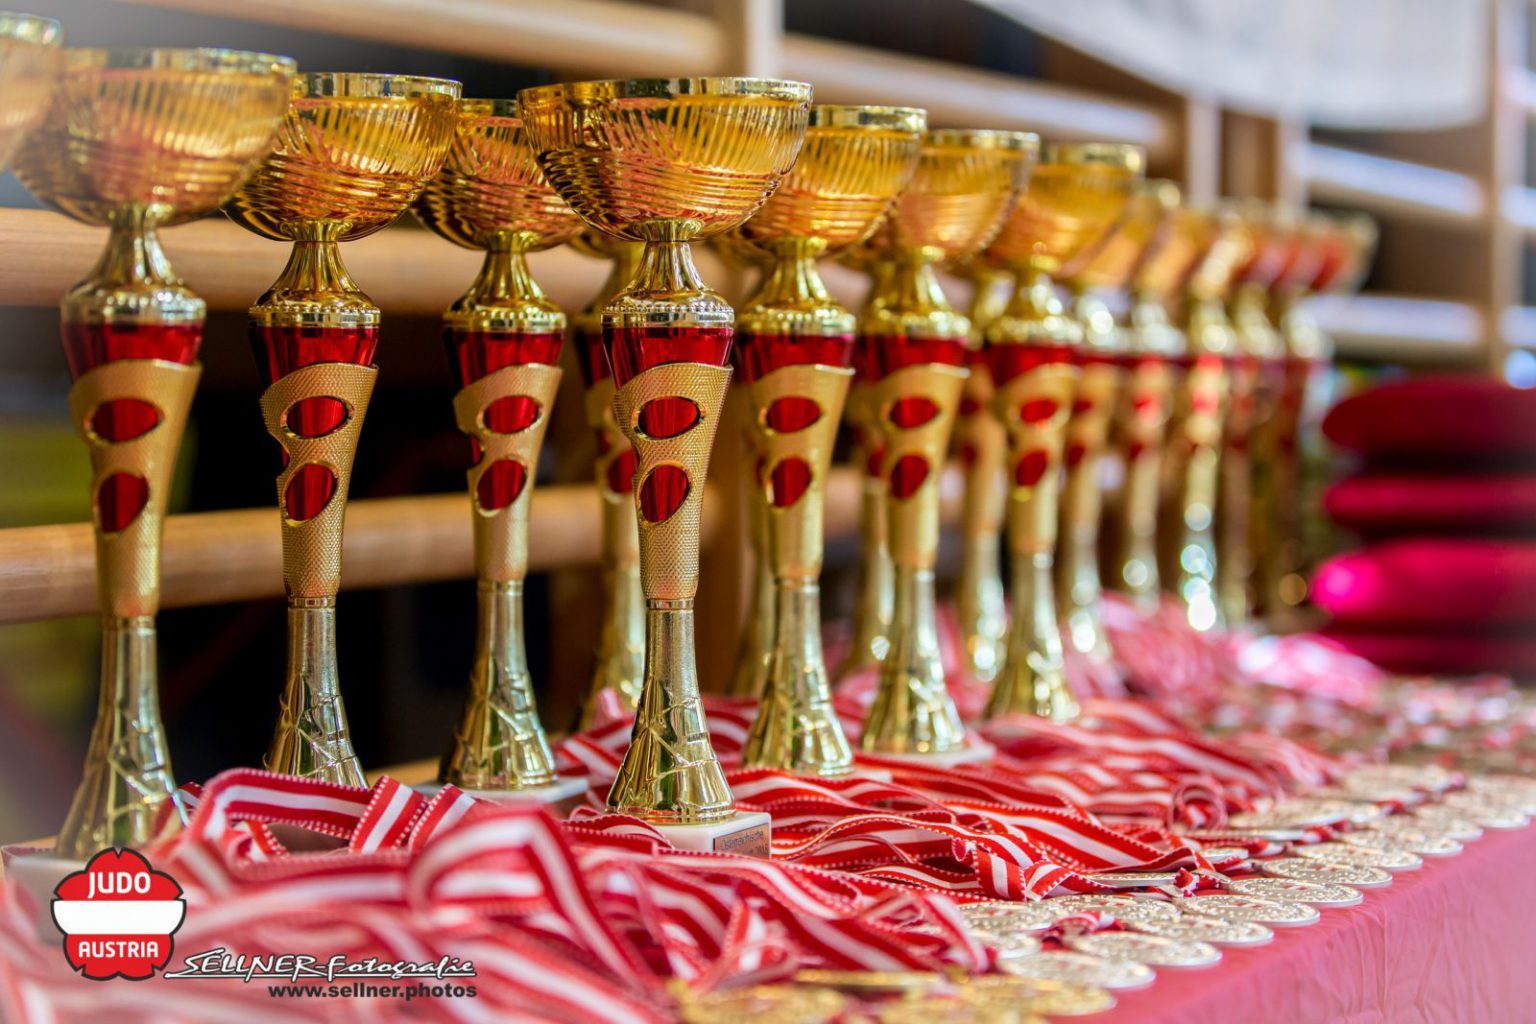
x: 1452, y: 942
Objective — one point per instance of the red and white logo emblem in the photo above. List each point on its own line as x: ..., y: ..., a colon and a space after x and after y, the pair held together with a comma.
x: 118, y: 916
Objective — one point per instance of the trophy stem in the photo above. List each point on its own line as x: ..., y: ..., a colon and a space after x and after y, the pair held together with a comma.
x: 500, y: 743
x: 979, y: 603
x: 912, y: 711
x: 122, y: 798
x: 1080, y: 588
x: 876, y: 577
x: 796, y: 729
x: 670, y: 774
x: 1033, y: 681
x: 756, y: 649
x: 1194, y: 464
x: 312, y: 740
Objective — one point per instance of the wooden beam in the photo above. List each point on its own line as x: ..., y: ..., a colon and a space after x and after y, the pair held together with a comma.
x: 1389, y: 187
x: 1402, y: 329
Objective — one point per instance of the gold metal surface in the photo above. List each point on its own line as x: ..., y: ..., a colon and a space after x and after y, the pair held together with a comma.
x: 980, y: 604
x: 491, y: 195
x: 127, y: 777
x: 29, y: 67
x: 1079, y: 590
x: 666, y: 161
x: 1033, y: 679
x: 669, y: 773
x: 352, y: 154
x: 500, y: 742
x: 796, y: 728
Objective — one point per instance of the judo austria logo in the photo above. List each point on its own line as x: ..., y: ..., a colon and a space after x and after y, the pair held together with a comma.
x: 118, y: 916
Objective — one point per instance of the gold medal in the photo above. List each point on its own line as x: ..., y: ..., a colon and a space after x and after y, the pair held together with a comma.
x: 952, y: 1009
x: 1209, y: 929
x: 1279, y: 913
x: 763, y: 1004
x: 1392, y: 858
x: 1152, y: 950
x: 1322, y: 872
x: 870, y: 981
x: 1318, y: 894
x: 1081, y: 969
x: 1034, y: 995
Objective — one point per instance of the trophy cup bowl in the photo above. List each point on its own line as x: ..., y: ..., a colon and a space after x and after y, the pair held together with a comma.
x: 666, y: 162
x: 794, y: 351
x: 29, y: 67
x: 1076, y: 196
x: 135, y: 140
x: 504, y: 339
x: 353, y: 152
x: 619, y: 662
x: 914, y: 351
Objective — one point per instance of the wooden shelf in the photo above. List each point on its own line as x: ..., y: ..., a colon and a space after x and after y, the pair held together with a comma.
x: 1400, y: 328
x: 1389, y: 187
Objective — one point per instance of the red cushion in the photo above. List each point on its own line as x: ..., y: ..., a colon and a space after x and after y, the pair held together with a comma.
x: 1437, y: 417
x: 1430, y: 582
x: 1392, y: 502
x: 1442, y: 653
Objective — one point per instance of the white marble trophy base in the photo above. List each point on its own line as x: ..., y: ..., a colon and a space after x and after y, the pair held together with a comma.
x: 745, y: 832
x: 975, y: 752
x: 39, y: 874
x: 559, y: 796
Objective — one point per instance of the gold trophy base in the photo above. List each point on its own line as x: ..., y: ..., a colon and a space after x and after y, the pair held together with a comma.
x: 559, y: 797
x: 974, y: 752
x: 744, y: 832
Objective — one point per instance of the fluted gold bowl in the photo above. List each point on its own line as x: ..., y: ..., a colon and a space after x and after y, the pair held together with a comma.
x: 491, y: 187
x: 854, y: 162
x: 1075, y: 195
x: 965, y: 184
x: 29, y: 66
x: 1144, y: 223
x: 666, y: 159
x: 172, y: 132
x: 354, y: 151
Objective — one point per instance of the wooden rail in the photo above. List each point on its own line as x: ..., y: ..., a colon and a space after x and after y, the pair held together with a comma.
x: 1396, y: 328
x: 1394, y: 188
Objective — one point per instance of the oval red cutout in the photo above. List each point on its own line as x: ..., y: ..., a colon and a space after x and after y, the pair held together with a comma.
x: 501, y: 483
x: 908, y: 475
x: 1075, y: 455
x: 124, y: 419
x: 788, y: 481
x: 1038, y: 410
x: 668, y: 417
x: 907, y: 413
x: 317, y: 416
x: 119, y: 500
x: 309, y: 491
x: 662, y: 493
x: 1030, y: 468
x: 621, y: 473
x: 510, y: 414
x: 787, y: 415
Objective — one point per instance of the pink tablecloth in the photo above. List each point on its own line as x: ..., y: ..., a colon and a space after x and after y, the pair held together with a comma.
x: 1453, y: 942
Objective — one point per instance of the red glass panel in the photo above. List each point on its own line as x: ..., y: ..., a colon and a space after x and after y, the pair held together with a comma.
x: 1030, y: 468
x: 1075, y: 455
x: 124, y: 419
x: 510, y: 414
x: 668, y: 417
x: 758, y: 355
x: 908, y: 413
x: 1038, y: 410
x: 591, y: 356
x: 501, y: 483
x: 883, y: 355
x: 632, y: 350
x: 791, y: 414
x: 789, y: 481
x: 621, y: 473
x: 119, y: 499
x: 662, y: 492
x: 968, y: 454
x: 477, y: 353
x: 908, y: 475
x: 1009, y: 361
x: 280, y: 351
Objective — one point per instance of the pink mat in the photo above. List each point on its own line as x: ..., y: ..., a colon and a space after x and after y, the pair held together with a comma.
x: 1452, y: 943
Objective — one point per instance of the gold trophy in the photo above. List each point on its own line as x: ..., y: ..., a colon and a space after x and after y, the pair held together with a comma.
x: 1157, y: 347
x: 351, y: 156
x: 1101, y: 356
x: 136, y: 140
x: 620, y: 659
x: 1073, y: 199
x: 1252, y: 390
x: 876, y: 579
x: 665, y: 162
x: 1187, y: 523
x: 793, y: 352
x: 915, y: 353
x: 982, y: 444
x: 504, y: 339
x: 1330, y: 254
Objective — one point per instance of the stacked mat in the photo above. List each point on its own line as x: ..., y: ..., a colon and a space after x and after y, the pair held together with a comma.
x: 1445, y: 503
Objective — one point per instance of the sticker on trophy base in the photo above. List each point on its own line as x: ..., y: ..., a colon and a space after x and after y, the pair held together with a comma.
x: 560, y: 796
x: 1152, y: 950
x: 745, y: 832
x: 39, y: 874
x: 974, y: 752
